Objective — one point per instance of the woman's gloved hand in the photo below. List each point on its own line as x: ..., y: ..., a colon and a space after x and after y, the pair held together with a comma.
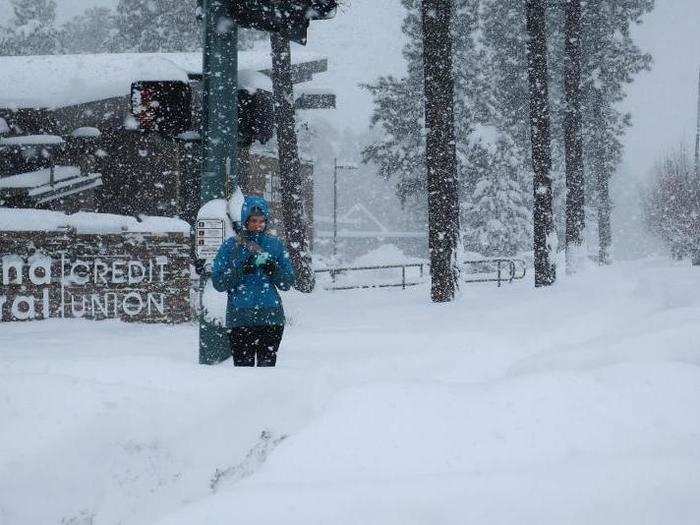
x: 266, y: 262
x: 261, y: 259
x: 270, y: 267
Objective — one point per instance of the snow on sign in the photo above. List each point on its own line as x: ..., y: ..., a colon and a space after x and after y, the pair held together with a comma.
x: 209, y: 237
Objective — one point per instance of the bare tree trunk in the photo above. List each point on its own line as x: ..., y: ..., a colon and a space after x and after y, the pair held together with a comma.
x: 604, y: 227
x: 544, y: 235
x: 441, y: 157
x: 575, y: 193
x: 290, y: 172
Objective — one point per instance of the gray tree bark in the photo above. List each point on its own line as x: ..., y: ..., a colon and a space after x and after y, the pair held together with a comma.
x: 441, y: 156
x: 544, y: 234
x: 575, y: 193
x: 604, y: 207
x: 290, y: 173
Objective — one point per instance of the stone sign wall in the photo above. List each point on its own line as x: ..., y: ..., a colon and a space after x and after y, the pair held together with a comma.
x: 132, y: 276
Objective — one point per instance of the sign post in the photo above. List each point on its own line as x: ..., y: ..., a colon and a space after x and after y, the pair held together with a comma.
x: 220, y: 132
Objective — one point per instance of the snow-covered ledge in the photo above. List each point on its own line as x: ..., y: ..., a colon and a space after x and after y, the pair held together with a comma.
x: 15, y: 219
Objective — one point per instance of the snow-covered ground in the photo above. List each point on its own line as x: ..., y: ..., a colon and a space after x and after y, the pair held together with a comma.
x: 577, y: 404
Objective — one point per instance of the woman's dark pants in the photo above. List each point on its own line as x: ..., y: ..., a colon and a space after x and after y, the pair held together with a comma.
x: 247, y: 342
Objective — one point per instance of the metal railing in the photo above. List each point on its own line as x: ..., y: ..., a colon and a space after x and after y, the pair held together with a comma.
x: 506, y: 270
x: 334, y: 272
x: 516, y: 269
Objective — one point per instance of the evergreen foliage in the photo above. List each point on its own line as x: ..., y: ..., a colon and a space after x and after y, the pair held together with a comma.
x: 89, y: 32
x: 139, y: 26
x: 156, y: 25
x: 31, y: 30
x: 498, y: 215
x: 163, y: 26
x: 399, y: 154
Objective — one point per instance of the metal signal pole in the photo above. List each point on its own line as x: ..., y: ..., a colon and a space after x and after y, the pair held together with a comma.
x: 696, y: 255
x: 697, y: 134
x: 336, y: 168
x: 219, y: 133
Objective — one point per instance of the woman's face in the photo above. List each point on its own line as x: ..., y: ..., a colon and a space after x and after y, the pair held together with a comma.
x: 256, y: 223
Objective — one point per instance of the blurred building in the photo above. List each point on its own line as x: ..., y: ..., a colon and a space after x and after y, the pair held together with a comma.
x: 69, y: 141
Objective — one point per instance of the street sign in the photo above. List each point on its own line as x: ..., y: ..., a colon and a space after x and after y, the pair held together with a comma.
x: 209, y: 237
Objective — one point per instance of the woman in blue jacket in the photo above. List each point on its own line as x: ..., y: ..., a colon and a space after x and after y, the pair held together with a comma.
x: 250, y: 268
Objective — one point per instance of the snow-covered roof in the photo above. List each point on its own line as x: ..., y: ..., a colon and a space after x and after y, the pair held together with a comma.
x: 86, y: 132
x: 65, y: 80
x: 39, y: 178
x: 62, y: 189
x: 31, y: 140
x: 12, y: 219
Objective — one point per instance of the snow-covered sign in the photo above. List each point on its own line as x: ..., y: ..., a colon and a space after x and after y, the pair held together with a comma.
x: 46, y: 272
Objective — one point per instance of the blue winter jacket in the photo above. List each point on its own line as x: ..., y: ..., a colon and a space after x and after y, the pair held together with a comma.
x: 253, y: 299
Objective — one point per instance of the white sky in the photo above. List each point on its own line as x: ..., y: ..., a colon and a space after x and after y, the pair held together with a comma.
x: 663, y: 102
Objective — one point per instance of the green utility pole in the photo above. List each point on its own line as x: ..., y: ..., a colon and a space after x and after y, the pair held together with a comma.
x: 220, y: 132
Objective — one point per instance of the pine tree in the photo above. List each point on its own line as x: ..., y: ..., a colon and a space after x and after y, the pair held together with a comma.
x: 498, y: 217
x: 156, y: 25
x: 32, y: 29
x: 399, y: 109
x: 609, y: 61
x: 399, y: 154
x: 143, y: 26
x: 88, y: 32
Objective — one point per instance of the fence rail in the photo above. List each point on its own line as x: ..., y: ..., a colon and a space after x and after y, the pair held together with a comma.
x: 507, y: 270
x: 334, y: 272
x: 517, y: 269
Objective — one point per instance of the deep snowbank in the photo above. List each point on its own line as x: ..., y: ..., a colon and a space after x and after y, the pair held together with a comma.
x: 576, y: 404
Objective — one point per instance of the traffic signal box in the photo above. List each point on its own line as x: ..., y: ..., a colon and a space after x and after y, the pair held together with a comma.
x: 162, y: 106
x: 166, y: 107
x: 289, y: 18
x: 256, y: 119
